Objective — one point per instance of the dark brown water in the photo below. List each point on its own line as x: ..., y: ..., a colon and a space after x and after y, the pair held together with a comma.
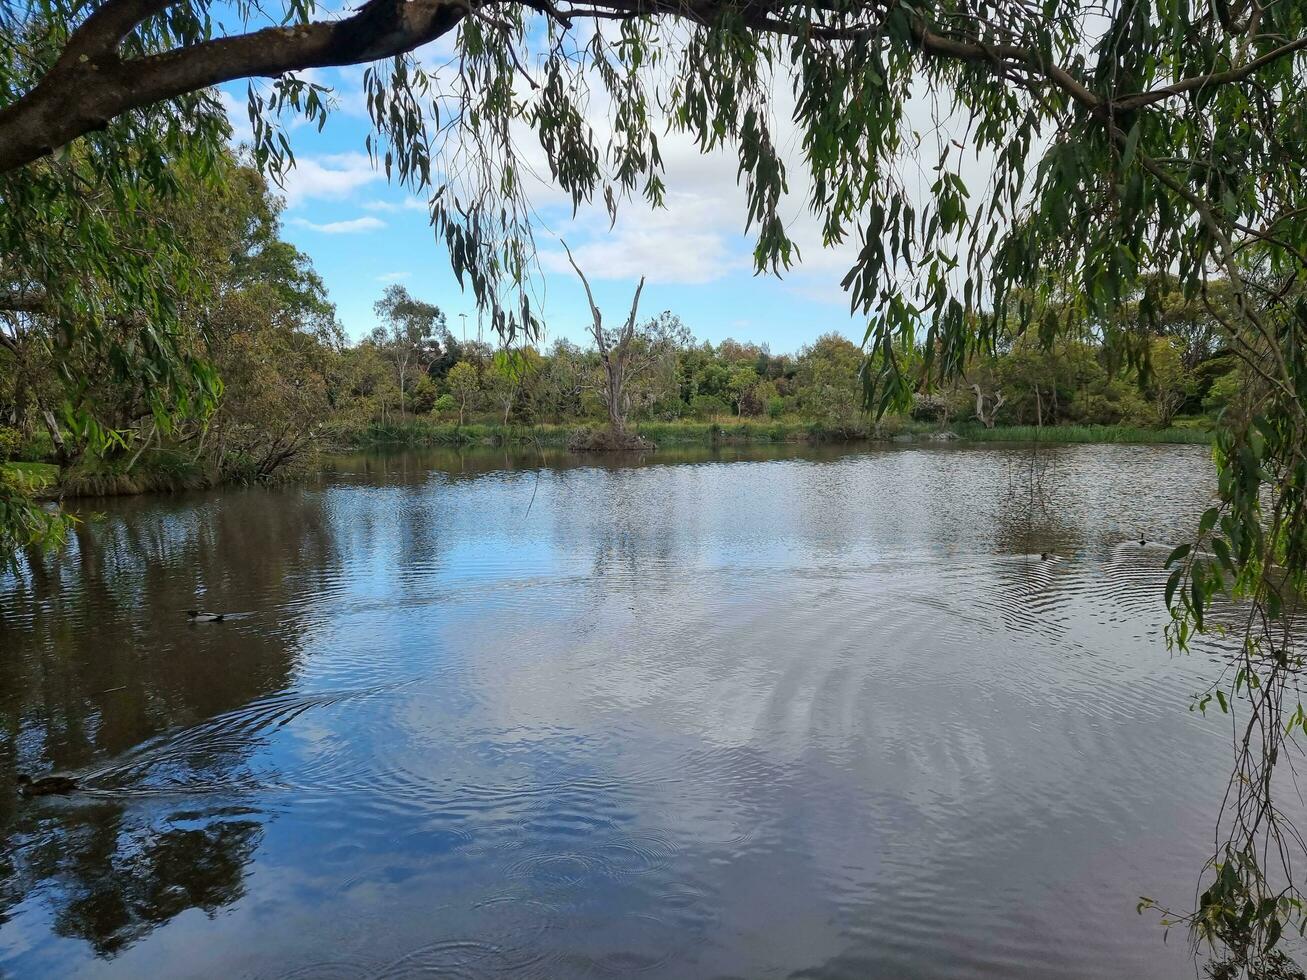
x: 816, y: 715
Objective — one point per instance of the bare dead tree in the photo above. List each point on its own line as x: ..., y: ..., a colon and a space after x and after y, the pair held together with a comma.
x: 987, y: 406
x: 617, y: 353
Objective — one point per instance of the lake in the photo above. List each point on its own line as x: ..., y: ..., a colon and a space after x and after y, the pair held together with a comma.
x: 769, y: 713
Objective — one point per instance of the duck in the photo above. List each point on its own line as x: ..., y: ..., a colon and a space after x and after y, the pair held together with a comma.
x: 46, y: 785
x: 1048, y: 556
x: 205, y: 617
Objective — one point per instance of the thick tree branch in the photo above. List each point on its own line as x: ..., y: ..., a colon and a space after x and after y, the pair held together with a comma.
x: 107, y: 26
x: 80, y: 97
x: 25, y: 301
x: 1140, y: 99
x: 594, y: 310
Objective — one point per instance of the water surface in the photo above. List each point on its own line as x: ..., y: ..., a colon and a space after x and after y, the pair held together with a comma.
x: 784, y: 713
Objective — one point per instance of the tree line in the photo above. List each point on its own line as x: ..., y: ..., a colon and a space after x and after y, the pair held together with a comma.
x: 286, y: 381
x: 436, y: 376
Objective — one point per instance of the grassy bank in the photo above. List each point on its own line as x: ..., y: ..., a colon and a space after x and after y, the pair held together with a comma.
x: 160, y: 472
x: 37, y: 476
x: 423, y: 432
x: 1084, y: 434
x: 167, y: 472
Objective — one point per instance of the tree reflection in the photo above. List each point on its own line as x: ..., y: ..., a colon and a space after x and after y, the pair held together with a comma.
x: 118, y: 893
x: 102, y: 675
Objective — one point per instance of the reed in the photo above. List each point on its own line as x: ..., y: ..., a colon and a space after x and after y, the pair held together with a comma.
x: 1083, y: 433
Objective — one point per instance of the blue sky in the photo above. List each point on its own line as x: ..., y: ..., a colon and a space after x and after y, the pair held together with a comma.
x: 364, y: 233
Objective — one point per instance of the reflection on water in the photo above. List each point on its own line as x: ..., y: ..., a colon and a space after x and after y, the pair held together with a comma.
x: 808, y: 713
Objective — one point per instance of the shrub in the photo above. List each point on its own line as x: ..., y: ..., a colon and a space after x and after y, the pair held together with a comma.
x: 710, y: 406
x: 1222, y: 392
x: 423, y: 396
x: 930, y: 408
x: 10, y: 443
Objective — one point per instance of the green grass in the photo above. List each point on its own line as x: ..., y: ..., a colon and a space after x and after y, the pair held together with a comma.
x: 426, y: 432
x: 159, y: 471
x: 38, y: 476
x: 728, y: 432
x: 1084, y: 433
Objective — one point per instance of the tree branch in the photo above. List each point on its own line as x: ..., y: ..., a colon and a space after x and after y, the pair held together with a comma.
x: 594, y: 310
x: 91, y: 84
x: 83, y: 95
x: 24, y: 301
x: 1140, y: 99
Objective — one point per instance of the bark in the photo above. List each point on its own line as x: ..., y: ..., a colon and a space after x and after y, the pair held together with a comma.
x: 60, y: 448
x: 91, y: 84
x: 987, y: 417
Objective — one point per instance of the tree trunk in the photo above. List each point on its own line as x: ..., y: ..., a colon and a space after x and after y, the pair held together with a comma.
x: 60, y: 449
x: 987, y: 417
x: 613, y: 397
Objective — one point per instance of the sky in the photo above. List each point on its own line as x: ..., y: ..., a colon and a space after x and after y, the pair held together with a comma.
x: 364, y: 233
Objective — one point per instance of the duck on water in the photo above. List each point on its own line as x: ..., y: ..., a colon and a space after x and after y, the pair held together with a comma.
x: 45, y: 785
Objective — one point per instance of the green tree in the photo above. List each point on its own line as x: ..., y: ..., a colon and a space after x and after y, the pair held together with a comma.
x: 410, y: 327
x: 509, y: 373
x: 829, y: 390
x: 562, y: 381
x: 422, y: 398
x: 464, y: 385
x: 1170, y: 383
x: 743, y: 380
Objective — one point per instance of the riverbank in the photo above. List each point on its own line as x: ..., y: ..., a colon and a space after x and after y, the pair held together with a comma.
x: 166, y: 473
x: 163, y: 473
x: 37, y: 476
x: 1109, y: 434
x: 419, y: 432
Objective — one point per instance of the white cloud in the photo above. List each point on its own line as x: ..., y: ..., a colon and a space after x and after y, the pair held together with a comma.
x: 333, y: 175
x: 408, y: 204
x: 349, y: 96
x: 393, y: 276
x: 238, y: 115
x: 699, y: 236
x: 685, y: 243
x: 349, y: 227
